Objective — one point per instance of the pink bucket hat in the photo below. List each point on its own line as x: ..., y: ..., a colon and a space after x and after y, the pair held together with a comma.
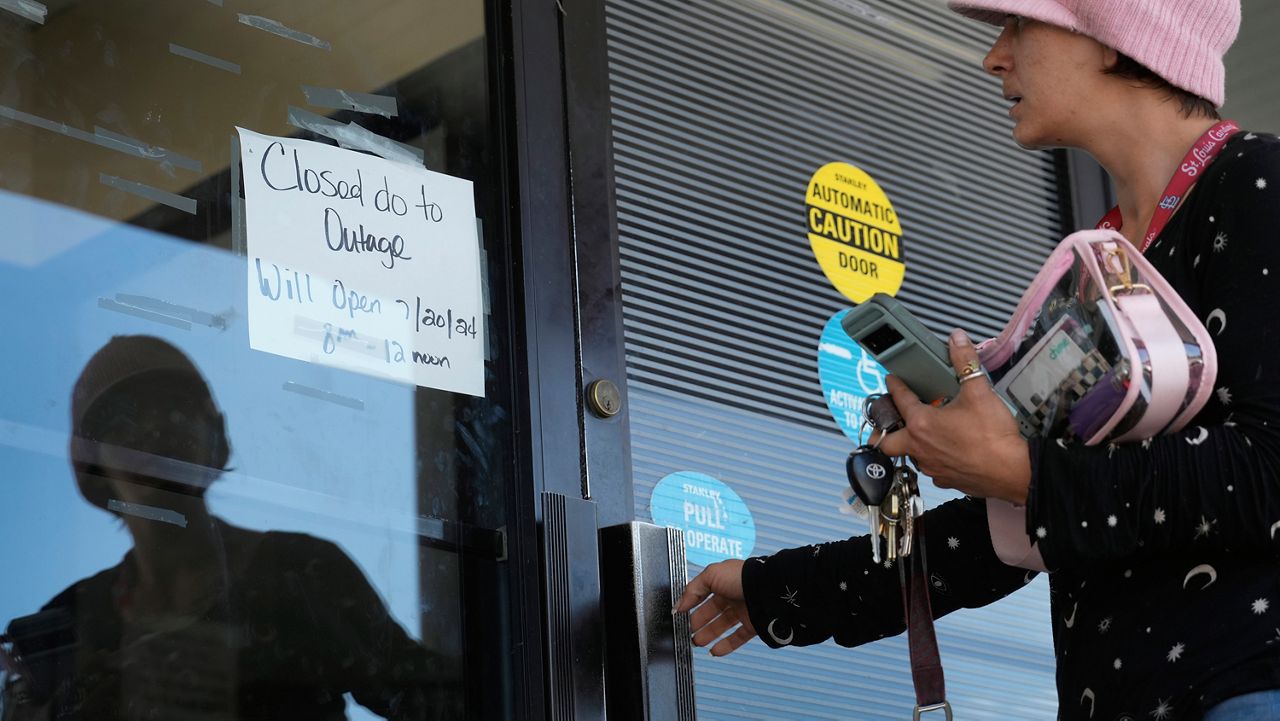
x: 1182, y: 41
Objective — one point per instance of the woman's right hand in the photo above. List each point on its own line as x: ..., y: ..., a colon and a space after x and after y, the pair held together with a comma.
x: 721, y: 607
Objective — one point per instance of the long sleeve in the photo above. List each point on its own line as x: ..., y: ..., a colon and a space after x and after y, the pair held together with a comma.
x: 385, y: 670
x: 1214, y: 486
x: 803, y: 596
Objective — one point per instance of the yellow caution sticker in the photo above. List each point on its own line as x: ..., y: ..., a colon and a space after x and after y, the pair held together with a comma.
x: 854, y: 232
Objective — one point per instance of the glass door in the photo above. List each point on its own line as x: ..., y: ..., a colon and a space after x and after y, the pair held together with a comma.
x: 256, y: 417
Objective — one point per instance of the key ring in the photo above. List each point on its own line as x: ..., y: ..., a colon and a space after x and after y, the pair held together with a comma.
x: 878, y: 409
x: 868, y: 422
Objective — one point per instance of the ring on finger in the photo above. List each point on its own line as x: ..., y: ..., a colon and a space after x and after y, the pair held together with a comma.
x: 970, y: 375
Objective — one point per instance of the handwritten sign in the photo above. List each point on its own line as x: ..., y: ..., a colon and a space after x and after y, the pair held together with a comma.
x: 362, y: 263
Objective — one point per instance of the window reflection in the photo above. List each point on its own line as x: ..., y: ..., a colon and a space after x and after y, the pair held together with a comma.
x: 121, y: 202
x: 201, y: 619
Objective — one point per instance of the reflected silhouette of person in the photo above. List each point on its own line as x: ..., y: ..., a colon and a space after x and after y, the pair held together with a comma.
x: 201, y: 619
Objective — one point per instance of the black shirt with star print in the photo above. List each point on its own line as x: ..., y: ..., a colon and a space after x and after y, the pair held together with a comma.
x: 1165, y: 569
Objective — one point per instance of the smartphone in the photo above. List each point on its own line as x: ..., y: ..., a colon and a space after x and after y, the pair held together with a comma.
x: 904, y: 346
x: 907, y: 349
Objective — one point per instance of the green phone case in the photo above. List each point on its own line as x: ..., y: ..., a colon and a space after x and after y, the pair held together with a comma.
x: 904, y: 346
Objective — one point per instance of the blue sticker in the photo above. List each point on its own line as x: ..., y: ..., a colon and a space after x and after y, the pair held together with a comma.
x: 716, y: 522
x: 848, y: 376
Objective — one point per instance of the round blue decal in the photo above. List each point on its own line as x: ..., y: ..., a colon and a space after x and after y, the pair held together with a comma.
x: 717, y: 524
x: 848, y: 376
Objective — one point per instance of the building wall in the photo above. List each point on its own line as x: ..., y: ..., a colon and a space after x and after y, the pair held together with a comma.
x: 722, y: 112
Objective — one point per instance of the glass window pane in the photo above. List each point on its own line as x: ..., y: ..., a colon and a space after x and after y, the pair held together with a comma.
x: 196, y: 525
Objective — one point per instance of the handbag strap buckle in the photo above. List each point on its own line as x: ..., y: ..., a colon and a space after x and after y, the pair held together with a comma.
x: 944, y: 707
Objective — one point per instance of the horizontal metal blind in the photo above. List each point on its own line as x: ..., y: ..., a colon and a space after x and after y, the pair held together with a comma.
x: 1252, y: 66
x: 722, y: 110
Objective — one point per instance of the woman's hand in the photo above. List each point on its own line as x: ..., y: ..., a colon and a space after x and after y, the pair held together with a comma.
x: 972, y: 444
x: 719, y: 591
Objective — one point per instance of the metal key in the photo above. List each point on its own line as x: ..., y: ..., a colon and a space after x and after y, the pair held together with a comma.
x: 912, y: 504
x: 871, y: 476
x: 908, y: 525
x: 892, y: 516
x: 873, y: 525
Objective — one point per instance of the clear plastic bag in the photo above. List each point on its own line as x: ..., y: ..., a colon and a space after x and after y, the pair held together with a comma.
x: 1101, y: 348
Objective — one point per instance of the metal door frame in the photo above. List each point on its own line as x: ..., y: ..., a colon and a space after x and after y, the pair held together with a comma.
x: 573, y: 468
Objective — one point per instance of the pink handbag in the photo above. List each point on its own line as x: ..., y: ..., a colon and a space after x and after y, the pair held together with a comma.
x: 1101, y: 349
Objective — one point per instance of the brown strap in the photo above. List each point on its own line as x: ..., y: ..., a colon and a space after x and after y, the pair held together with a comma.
x: 926, y: 662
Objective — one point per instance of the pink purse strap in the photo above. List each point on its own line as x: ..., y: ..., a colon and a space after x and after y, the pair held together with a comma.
x: 1167, y: 356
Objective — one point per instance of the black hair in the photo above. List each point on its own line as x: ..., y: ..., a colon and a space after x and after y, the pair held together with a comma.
x: 1189, y: 104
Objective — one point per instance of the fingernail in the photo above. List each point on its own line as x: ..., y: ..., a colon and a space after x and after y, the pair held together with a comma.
x: 960, y: 339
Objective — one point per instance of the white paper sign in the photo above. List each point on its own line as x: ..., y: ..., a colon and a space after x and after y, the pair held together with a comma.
x: 362, y: 263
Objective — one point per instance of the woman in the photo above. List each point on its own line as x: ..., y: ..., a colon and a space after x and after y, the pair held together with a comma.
x: 1162, y: 553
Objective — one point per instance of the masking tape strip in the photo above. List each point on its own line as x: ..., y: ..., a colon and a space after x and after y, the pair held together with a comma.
x: 489, y: 353
x: 355, y: 137
x: 51, y: 126
x: 200, y: 57
x: 257, y: 492
x: 238, y: 229
x: 351, y: 342
x: 29, y: 9
x: 91, y: 457
x: 172, y: 310
x: 156, y: 195
x: 151, y: 513
x: 135, y: 147
x: 341, y: 400
x: 383, y: 105
x: 484, y: 268
x: 108, y: 304
x: 275, y: 27
x: 104, y: 138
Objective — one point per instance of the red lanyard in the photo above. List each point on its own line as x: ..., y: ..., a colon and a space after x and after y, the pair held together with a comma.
x: 1198, y: 158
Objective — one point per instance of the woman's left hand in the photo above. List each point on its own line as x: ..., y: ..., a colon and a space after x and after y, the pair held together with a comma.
x: 971, y: 444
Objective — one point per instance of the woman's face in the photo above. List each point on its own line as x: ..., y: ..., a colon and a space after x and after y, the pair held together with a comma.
x: 1052, y: 76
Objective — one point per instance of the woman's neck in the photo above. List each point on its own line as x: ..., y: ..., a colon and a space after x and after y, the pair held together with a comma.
x: 1141, y: 154
x: 163, y: 552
